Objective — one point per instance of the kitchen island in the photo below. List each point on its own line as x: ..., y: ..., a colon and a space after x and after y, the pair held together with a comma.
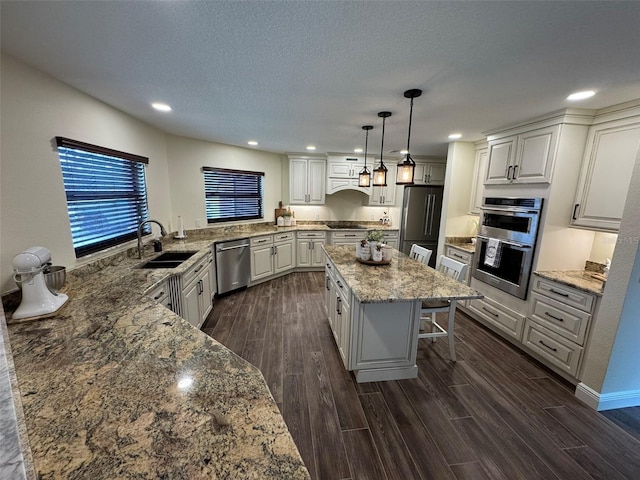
x: 374, y: 311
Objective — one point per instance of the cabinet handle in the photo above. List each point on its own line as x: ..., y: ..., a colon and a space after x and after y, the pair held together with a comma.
x: 198, y: 269
x: 350, y: 235
x: 429, y: 178
x: 562, y: 294
x: 509, y: 172
x: 262, y: 241
x: 339, y: 284
x: 554, y: 317
x: 274, y: 251
x: 338, y: 304
x: 457, y: 256
x: 515, y: 172
x: 545, y: 345
x: 490, y: 312
x: 328, y: 265
x: 159, y: 296
x: 575, y: 211
x: 327, y: 283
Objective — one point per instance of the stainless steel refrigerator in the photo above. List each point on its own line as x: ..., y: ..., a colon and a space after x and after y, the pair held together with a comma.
x: 420, y: 218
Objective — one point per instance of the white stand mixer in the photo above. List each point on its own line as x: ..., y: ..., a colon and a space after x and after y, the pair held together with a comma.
x: 37, y: 299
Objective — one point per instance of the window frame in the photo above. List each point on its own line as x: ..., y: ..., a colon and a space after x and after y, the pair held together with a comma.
x: 136, y: 198
x: 258, y: 194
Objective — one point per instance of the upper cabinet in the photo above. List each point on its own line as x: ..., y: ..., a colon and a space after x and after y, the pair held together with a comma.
x: 524, y: 158
x: 612, y: 149
x: 342, y: 173
x: 479, y: 173
x: 306, y: 181
x: 429, y: 173
x: 384, y: 196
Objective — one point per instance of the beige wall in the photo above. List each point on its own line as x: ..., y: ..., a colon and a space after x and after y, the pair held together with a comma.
x: 187, y: 157
x: 35, y: 109
x: 457, y: 192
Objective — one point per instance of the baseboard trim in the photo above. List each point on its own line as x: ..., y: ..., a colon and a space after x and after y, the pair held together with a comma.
x: 607, y: 401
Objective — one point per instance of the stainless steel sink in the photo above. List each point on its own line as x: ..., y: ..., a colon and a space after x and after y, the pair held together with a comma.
x: 168, y: 260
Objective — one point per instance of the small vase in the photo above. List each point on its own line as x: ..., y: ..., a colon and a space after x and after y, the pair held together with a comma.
x: 287, y: 221
x: 363, y: 251
x: 387, y: 253
x: 376, y: 255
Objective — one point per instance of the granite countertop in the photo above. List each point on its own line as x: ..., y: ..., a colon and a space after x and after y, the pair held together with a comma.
x: 580, y: 279
x: 116, y: 386
x: 404, y: 280
x: 462, y: 243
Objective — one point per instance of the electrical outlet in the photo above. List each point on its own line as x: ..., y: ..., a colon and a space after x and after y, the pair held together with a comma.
x: 317, y: 217
x: 198, y: 223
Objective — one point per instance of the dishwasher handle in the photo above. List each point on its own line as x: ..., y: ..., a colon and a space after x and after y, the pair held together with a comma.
x: 224, y: 249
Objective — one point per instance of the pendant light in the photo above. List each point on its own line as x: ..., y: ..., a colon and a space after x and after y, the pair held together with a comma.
x: 364, y: 177
x: 380, y: 173
x: 407, y: 166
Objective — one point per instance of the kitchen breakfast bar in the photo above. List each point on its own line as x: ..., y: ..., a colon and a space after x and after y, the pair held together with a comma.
x: 374, y: 310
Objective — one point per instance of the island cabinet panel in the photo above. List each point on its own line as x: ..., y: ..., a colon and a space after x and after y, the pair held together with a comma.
x: 385, y: 339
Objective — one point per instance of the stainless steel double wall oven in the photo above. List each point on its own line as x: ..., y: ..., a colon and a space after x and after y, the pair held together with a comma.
x: 513, y: 222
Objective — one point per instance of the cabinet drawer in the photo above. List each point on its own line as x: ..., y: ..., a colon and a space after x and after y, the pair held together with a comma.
x: 459, y: 255
x: 391, y: 234
x: 500, y: 316
x: 263, y: 240
x: 354, y: 235
x: 282, y: 237
x: 159, y: 293
x: 557, y: 350
x: 343, y: 288
x: 312, y: 234
x: 192, y: 274
x: 564, y: 294
x: 567, y: 321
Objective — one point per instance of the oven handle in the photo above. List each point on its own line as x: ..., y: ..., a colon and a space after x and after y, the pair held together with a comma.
x: 515, y: 244
x: 512, y: 212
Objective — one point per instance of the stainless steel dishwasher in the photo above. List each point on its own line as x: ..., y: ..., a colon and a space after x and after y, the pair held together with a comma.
x: 233, y: 265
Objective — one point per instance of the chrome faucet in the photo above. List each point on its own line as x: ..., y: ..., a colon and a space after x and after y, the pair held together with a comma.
x: 163, y: 232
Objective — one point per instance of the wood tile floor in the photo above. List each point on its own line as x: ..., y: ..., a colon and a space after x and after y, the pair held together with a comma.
x: 494, y: 414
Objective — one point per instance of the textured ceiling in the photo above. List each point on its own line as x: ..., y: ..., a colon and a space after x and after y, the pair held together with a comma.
x: 289, y: 74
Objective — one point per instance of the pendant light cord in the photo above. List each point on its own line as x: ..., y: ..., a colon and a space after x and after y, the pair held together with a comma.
x: 409, y: 134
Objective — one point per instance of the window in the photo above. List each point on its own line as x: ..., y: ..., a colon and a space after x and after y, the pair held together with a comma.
x: 233, y: 194
x: 106, y: 194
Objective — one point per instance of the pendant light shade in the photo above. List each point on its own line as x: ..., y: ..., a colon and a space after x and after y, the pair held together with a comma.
x: 364, y: 177
x: 406, y: 166
x: 380, y: 173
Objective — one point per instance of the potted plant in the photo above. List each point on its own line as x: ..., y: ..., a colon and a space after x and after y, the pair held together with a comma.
x: 374, y: 237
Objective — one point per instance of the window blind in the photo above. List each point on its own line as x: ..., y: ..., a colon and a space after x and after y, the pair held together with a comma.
x: 106, y: 198
x: 233, y: 194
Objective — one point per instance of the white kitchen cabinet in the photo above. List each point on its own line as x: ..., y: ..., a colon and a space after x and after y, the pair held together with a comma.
x: 610, y: 156
x: 195, y: 301
x: 306, y: 181
x: 347, y: 237
x: 391, y: 238
x: 343, y: 171
x: 500, y: 316
x: 309, y: 249
x: 524, y: 158
x: 429, y: 173
x: 272, y: 254
x: 384, y: 196
x: 160, y: 293
x: 462, y: 256
x: 479, y: 173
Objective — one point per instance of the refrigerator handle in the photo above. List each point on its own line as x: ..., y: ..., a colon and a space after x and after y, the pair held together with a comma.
x: 427, y: 208
x: 432, y: 213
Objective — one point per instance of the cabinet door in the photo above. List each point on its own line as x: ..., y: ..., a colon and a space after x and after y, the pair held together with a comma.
x: 420, y: 174
x: 602, y: 190
x: 315, y: 182
x: 298, y: 181
x: 205, y: 295
x: 303, y: 253
x: 477, y: 187
x: 384, y: 196
x: 343, y: 326
x: 284, y: 258
x: 317, y: 253
x: 435, y: 173
x: 261, y: 262
x: 536, y: 153
x: 500, y: 161
x: 191, y: 304
x: 329, y: 295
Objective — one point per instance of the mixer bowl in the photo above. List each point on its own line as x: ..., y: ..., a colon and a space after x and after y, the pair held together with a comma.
x: 54, y: 277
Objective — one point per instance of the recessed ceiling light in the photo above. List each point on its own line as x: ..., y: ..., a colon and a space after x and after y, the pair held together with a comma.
x: 581, y: 95
x: 455, y: 136
x: 252, y: 143
x: 358, y: 150
x: 161, y: 107
x: 404, y: 152
x: 311, y: 147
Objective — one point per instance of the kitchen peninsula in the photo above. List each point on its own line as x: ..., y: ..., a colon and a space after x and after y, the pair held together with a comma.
x: 374, y: 311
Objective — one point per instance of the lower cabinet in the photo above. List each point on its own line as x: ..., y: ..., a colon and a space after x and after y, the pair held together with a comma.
x: 462, y: 256
x: 309, y: 249
x: 558, y: 324
x: 272, y: 254
x: 197, y: 292
x: 392, y: 238
x: 160, y: 293
x: 503, y: 318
